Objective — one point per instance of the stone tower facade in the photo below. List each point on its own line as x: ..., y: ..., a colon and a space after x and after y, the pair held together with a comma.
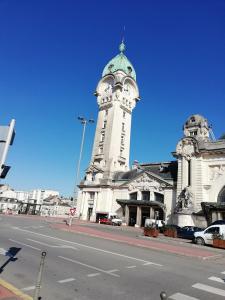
x: 117, y: 94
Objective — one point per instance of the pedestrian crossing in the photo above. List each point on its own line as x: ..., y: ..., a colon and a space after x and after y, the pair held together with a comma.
x: 206, y: 288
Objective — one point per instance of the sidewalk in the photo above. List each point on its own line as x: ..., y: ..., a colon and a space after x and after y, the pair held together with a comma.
x: 176, y: 246
x: 9, y: 292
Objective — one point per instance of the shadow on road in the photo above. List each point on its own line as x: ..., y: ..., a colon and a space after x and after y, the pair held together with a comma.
x: 12, y: 252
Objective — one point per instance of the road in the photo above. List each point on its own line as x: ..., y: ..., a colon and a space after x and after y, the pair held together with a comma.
x: 82, y: 267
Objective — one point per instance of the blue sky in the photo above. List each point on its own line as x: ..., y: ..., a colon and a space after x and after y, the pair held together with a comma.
x: 52, y: 54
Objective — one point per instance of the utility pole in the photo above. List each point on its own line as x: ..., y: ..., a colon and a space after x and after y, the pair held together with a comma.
x: 38, y: 283
x: 84, y: 122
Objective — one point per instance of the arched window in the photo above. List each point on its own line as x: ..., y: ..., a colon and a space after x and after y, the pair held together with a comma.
x: 221, y: 196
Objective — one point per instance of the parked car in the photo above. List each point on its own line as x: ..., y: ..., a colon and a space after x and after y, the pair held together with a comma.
x: 187, y: 232
x: 218, y: 222
x: 116, y: 221
x: 206, y: 236
x: 105, y: 221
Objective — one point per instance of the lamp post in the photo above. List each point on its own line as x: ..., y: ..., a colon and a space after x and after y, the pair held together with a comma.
x: 84, y: 122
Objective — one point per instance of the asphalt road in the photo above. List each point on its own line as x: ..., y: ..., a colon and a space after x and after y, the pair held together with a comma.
x: 83, y: 267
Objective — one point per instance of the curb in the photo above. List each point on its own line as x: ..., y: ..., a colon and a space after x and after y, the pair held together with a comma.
x: 14, y: 290
x: 138, y: 244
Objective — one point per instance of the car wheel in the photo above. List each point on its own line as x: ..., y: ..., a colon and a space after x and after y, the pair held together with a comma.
x: 200, y: 241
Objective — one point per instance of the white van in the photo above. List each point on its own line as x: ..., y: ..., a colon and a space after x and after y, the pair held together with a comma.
x: 150, y: 222
x: 206, y: 236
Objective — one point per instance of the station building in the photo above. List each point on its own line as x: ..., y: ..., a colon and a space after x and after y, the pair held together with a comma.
x: 190, y: 190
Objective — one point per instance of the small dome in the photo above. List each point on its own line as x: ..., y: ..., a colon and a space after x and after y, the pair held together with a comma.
x: 196, y: 120
x: 120, y: 62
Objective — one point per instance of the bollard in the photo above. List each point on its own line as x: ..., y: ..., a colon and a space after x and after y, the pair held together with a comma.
x: 38, y: 283
x: 163, y: 296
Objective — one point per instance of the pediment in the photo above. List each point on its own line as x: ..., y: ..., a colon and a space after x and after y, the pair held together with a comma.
x: 93, y: 169
x: 147, y: 181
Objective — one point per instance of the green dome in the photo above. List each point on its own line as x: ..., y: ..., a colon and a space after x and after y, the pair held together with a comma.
x: 120, y: 62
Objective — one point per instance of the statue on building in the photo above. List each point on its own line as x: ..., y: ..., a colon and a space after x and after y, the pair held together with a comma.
x: 184, y: 200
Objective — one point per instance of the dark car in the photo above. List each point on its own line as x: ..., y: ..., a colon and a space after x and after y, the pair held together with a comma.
x: 187, y: 232
x: 218, y: 222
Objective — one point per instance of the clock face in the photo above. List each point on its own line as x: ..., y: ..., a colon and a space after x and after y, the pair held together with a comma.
x: 106, y: 87
x: 129, y: 90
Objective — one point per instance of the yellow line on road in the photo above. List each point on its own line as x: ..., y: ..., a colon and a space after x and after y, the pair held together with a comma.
x: 14, y: 290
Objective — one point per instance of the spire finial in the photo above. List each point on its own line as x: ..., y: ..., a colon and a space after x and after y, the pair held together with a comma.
x: 122, y: 47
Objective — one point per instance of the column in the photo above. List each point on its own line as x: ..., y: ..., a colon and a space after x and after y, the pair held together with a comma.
x: 139, y: 195
x: 127, y: 215
x: 138, y: 218
x: 152, y: 213
x: 184, y: 173
x: 93, y: 217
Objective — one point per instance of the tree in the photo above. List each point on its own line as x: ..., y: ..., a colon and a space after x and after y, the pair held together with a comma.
x: 222, y: 136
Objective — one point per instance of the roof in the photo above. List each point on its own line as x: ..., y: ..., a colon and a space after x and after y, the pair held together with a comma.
x: 165, y: 170
x: 212, y: 145
x: 120, y: 62
x: 126, y: 175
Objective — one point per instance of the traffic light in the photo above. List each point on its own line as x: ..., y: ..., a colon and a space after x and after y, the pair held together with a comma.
x: 7, y: 135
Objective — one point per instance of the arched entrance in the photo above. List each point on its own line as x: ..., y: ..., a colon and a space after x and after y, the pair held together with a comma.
x: 221, y: 196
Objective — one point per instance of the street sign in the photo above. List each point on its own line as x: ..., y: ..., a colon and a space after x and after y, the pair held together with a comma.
x: 7, y: 135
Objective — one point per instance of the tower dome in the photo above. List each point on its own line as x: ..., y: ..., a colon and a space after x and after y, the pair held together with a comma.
x: 120, y: 62
x: 196, y: 126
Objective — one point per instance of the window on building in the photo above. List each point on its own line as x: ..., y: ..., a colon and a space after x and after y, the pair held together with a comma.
x: 124, y: 114
x: 100, y: 150
x: 104, y: 124
x: 145, y: 195
x: 193, y: 133
x: 102, y: 136
x: 189, y: 173
x: 122, y: 139
x: 159, y: 197
x: 106, y: 112
x: 92, y: 195
x: 121, y: 151
x: 133, y: 196
x: 123, y: 127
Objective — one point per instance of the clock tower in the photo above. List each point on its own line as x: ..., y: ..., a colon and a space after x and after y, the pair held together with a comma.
x: 117, y: 94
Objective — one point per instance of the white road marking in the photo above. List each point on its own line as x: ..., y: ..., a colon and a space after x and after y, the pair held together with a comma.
x: 112, y: 271
x: 221, y: 280
x: 90, y: 247
x: 29, y: 288
x: 223, y: 272
x: 93, y: 274
x: 131, y: 267
x: 41, y: 243
x: 210, y: 289
x: 179, y: 296
x: 24, y: 244
x: 66, y: 280
x: 2, y: 251
x: 33, y: 227
x: 146, y: 264
x: 88, y: 266
x: 52, y: 246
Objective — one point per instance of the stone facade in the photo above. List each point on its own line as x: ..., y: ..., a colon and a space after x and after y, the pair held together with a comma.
x: 187, y: 191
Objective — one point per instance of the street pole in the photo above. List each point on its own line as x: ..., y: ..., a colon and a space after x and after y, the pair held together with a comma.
x: 163, y: 295
x: 84, y: 123
x: 38, y: 283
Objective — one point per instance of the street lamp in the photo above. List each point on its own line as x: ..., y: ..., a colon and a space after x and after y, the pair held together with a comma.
x: 84, y: 122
